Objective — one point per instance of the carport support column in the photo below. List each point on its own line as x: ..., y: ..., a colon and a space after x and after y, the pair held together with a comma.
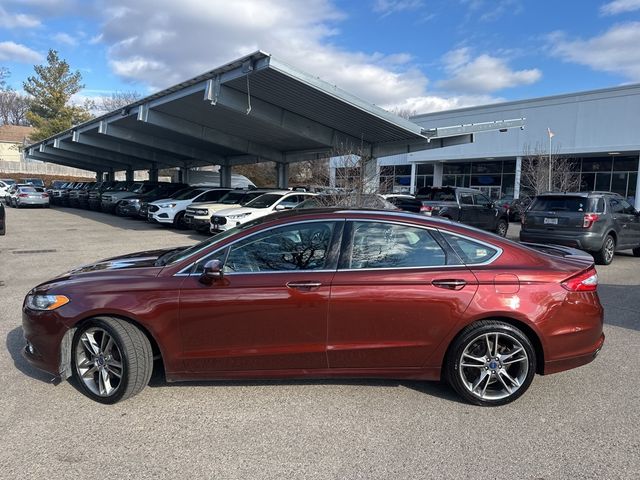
x: 183, y: 175
x: 637, y: 205
x: 225, y: 176
x: 129, y: 175
x: 516, y: 183
x: 153, y: 174
x: 111, y: 176
x: 99, y: 176
x: 282, y: 175
x: 438, y: 169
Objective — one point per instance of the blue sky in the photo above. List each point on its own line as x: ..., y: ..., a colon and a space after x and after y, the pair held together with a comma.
x: 421, y: 55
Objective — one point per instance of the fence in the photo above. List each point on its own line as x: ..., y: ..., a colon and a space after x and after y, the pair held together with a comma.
x: 42, y: 168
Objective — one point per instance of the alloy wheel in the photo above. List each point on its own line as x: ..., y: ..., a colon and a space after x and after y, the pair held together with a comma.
x: 99, y: 362
x: 609, y: 250
x: 493, y: 366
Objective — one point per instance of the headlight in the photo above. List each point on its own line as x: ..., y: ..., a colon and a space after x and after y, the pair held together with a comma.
x: 46, y: 302
x: 134, y: 200
x: 238, y: 216
x: 167, y: 205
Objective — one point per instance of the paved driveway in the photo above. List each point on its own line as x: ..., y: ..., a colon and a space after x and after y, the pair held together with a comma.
x: 578, y: 424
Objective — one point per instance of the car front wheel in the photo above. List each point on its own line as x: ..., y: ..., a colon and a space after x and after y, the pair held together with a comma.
x: 113, y: 359
x: 490, y: 363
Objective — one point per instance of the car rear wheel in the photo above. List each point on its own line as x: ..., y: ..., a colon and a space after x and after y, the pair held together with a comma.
x: 490, y: 363
x: 112, y: 360
x: 502, y: 227
x: 604, y: 256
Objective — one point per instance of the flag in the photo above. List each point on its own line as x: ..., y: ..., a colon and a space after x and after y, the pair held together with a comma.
x: 551, y: 134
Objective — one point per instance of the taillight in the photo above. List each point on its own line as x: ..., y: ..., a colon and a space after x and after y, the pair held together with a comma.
x: 23, y: 194
x: 426, y: 208
x: 589, y: 219
x: 45, y: 195
x: 586, y: 281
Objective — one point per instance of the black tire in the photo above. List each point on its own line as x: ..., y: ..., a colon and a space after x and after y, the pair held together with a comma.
x: 636, y: 252
x: 605, y: 255
x: 474, y: 338
x: 502, y: 227
x: 178, y: 221
x: 134, y: 355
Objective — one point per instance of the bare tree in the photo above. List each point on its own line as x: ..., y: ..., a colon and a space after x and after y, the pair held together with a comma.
x: 404, y: 112
x: 540, y: 170
x: 13, y: 108
x: 117, y: 100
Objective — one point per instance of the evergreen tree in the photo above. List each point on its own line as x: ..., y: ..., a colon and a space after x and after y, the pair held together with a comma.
x: 51, y: 90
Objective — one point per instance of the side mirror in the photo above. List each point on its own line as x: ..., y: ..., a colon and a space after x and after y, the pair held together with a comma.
x: 213, y: 270
x: 280, y: 207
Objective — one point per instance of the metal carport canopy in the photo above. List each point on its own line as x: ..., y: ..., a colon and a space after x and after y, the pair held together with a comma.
x: 251, y: 110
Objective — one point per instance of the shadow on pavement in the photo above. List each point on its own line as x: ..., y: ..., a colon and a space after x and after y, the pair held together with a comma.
x: 621, y: 305
x: 15, y: 343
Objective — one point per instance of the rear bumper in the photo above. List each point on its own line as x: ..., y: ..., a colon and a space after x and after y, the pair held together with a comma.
x: 582, y: 241
x: 561, y: 365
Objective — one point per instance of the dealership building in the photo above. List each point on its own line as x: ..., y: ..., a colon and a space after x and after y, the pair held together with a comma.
x: 598, y: 130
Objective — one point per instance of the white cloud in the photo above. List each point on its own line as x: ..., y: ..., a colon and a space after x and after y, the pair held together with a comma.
x: 387, y: 7
x: 65, y: 38
x: 161, y: 42
x: 490, y: 10
x: 434, y: 103
x: 614, y: 51
x: 17, y: 20
x: 483, y: 74
x: 619, y: 6
x: 15, y: 52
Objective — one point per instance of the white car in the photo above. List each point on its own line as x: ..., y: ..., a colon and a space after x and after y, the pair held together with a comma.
x: 198, y: 215
x: 256, y: 208
x: 170, y: 211
x: 4, y: 187
x: 29, y: 195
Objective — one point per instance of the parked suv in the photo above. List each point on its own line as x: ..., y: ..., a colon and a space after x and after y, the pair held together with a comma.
x: 464, y: 205
x: 598, y: 222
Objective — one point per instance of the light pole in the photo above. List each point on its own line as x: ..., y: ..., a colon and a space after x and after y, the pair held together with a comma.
x: 551, y: 134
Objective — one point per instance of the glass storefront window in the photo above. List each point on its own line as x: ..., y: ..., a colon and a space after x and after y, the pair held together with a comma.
x: 587, y: 182
x: 486, y: 167
x: 403, y: 170
x: 485, y: 180
x: 603, y: 181
x: 619, y: 183
x: 424, y: 169
x: 509, y: 166
x: 633, y: 179
x: 596, y: 164
x: 624, y: 164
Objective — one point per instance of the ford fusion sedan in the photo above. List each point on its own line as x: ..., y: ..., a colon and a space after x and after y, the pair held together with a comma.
x: 258, y: 207
x: 322, y: 294
x: 171, y: 211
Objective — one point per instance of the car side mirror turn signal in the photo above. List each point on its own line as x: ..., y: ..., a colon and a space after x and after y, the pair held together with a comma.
x: 213, y: 270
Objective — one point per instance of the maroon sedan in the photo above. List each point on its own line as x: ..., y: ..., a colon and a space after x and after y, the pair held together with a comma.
x: 323, y: 293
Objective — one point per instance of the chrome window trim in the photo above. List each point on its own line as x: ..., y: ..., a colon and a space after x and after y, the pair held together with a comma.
x: 182, y: 272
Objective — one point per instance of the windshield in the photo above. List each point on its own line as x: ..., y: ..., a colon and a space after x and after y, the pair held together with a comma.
x: 188, y: 194
x: 8, y: 181
x: 563, y: 203
x: 232, y: 198
x: 264, y: 201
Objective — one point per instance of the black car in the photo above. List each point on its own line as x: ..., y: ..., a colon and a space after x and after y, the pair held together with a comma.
x: 95, y: 195
x: 601, y: 223
x: 514, y: 206
x: 130, y: 206
x: 464, y: 205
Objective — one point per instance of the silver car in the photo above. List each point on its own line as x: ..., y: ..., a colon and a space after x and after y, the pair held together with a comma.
x: 30, y: 195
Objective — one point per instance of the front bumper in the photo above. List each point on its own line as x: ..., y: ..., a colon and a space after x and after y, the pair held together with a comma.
x: 44, y: 333
x: 197, y: 223
x: 129, y: 210
x: 161, y: 216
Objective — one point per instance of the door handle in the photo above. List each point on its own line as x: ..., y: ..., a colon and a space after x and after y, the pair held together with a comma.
x: 303, y: 285
x: 449, y: 284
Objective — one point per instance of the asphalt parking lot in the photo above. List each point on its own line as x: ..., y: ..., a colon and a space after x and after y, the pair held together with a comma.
x: 578, y: 424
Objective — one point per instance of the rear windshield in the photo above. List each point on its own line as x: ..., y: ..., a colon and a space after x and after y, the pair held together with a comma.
x: 446, y: 195
x: 567, y: 204
x: 31, y: 189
